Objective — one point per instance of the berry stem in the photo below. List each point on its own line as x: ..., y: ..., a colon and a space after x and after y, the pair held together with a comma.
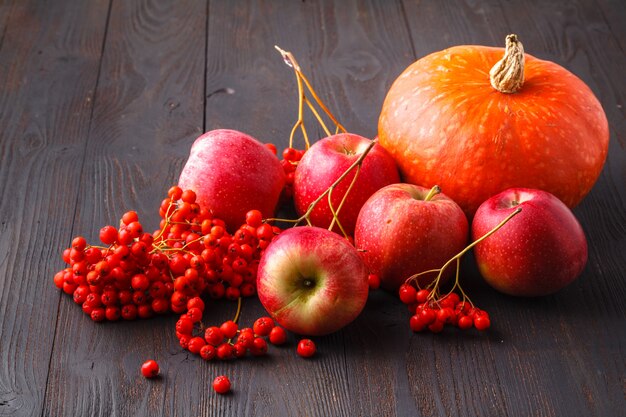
x: 238, y: 313
x: 457, y: 258
x: 306, y: 216
x: 302, y: 82
x: 317, y: 116
x: 343, y: 199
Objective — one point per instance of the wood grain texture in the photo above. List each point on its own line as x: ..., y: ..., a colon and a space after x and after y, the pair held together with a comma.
x: 147, y: 109
x: 99, y: 104
x: 6, y: 7
x: 48, y: 64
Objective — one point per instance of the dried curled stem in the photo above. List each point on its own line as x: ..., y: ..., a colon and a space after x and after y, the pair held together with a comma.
x: 507, y: 76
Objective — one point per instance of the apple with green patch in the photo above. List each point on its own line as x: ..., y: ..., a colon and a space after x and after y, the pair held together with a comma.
x: 312, y: 281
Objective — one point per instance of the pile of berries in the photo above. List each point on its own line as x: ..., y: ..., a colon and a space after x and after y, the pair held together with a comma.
x: 137, y: 274
x: 227, y: 341
x: 432, y: 313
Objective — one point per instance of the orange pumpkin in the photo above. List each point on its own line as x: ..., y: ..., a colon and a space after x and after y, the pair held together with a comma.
x: 476, y: 123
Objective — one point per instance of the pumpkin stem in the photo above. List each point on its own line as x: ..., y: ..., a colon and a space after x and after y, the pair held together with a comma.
x: 507, y: 76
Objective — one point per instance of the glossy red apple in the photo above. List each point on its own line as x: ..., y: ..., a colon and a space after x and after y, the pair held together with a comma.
x: 312, y: 281
x: 404, y: 229
x: 538, y: 252
x: 232, y: 173
x: 325, y: 162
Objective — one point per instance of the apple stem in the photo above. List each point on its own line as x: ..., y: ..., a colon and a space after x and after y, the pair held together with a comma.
x: 302, y: 82
x: 435, y: 284
x: 433, y: 192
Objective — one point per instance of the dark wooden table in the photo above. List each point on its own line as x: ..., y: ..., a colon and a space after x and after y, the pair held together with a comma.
x: 100, y: 101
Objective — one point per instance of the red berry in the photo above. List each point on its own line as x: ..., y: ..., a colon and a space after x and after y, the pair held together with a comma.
x: 263, y: 326
x: 291, y: 154
x: 112, y: 313
x: 184, y: 341
x: 436, y: 326
x: 465, y: 322
x: 188, y: 196
x: 98, y: 314
x: 428, y: 316
x: 213, y: 336
x: 246, y: 337
x: 150, y: 369
x: 254, y: 218
x: 207, y: 352
x: 416, y: 323
x: 160, y: 305
x: 79, y: 243
x: 247, y: 289
x: 145, y: 311
x: 184, y: 325
x: 272, y: 148
x: 232, y: 293
x: 221, y: 384
x: 407, y: 293
x: 306, y: 348
x: 482, y: 322
x: 140, y: 282
x: 259, y: 347
x: 135, y: 229
x: 195, y: 314
x: 239, y: 350
x: 195, y: 302
x: 229, y: 329
x: 80, y: 294
x: 129, y: 217
x: 175, y: 192
x: 108, y: 235
x: 422, y: 296
x: 129, y: 312
x: 373, y: 281
x: 278, y: 336
x: 225, y: 351
x: 195, y: 344
x: 265, y: 232
x: 445, y: 315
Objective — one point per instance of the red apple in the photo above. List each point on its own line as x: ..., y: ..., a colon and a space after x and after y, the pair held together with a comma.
x: 325, y: 162
x: 231, y: 174
x: 401, y: 231
x: 312, y: 281
x: 537, y: 252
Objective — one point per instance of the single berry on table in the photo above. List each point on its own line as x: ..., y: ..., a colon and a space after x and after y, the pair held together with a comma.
x: 306, y: 348
x: 221, y: 384
x: 150, y: 368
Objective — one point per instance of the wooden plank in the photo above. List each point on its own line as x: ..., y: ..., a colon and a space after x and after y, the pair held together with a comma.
x: 613, y: 11
x: 5, y: 13
x: 547, y: 350
x: 49, y: 61
x: 148, y: 109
